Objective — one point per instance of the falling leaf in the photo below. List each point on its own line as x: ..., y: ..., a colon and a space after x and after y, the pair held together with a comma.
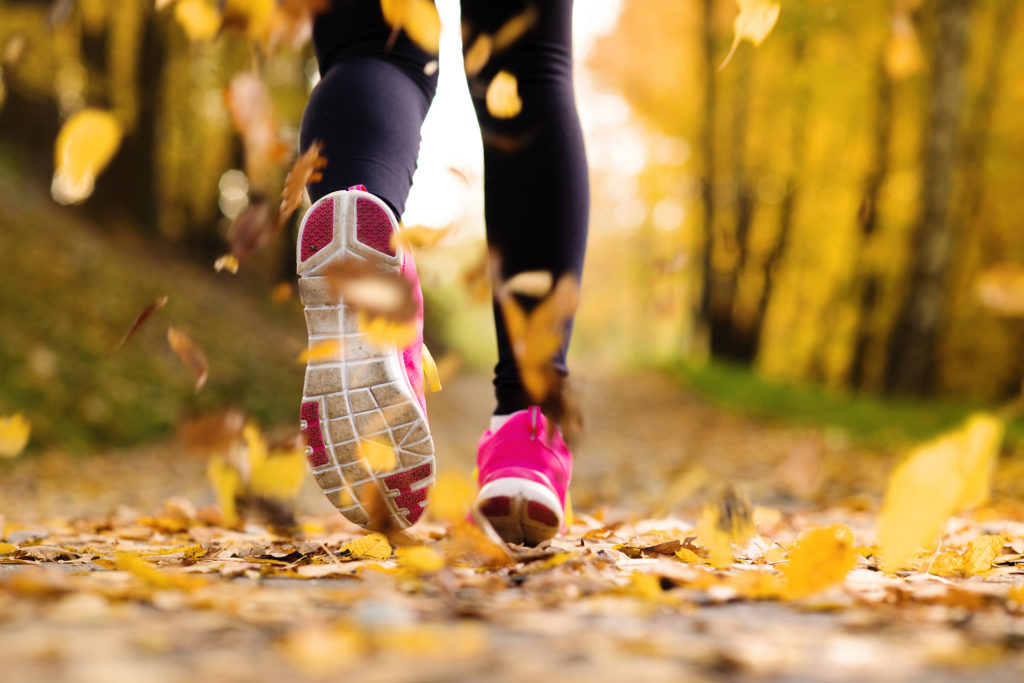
x: 951, y: 472
x: 228, y: 262
x: 227, y: 485
x: 418, y: 237
x: 253, y: 229
x: 252, y: 114
x: 754, y: 22
x: 190, y: 354
x: 503, y: 101
x: 378, y: 456
x: 822, y: 558
x: 1001, y: 289
x: 372, y: 291
x: 536, y: 337
x: 325, y: 350
x: 14, y: 433
x: 418, y: 18
x: 535, y: 283
x: 514, y: 29
x: 726, y: 521
x: 431, y: 377
x: 140, y: 319
x: 478, y: 54
x: 282, y: 292
x: 373, y: 546
x: 420, y: 559
x: 454, y: 493
x: 199, y: 19
x: 384, y: 332
x: 85, y: 145
x: 291, y: 23
x: 306, y: 169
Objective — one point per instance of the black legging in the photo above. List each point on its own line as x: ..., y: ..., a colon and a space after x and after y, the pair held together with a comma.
x: 372, y: 99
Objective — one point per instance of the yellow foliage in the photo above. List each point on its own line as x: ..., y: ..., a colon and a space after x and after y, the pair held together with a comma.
x: 454, y: 493
x: 418, y: 18
x: 947, y: 474
x: 431, y: 378
x: 199, y: 19
x: 85, y: 145
x: 822, y: 557
x: 328, y: 349
x: 373, y: 546
x: 140, y: 569
x: 754, y: 22
x: 688, y: 556
x: 7, y: 548
x: 420, y: 559
x: 14, y: 433
x: 379, y: 457
x: 503, y: 101
x: 384, y: 332
x: 977, y: 558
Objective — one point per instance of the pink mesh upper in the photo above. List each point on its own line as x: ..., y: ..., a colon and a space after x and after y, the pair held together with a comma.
x: 373, y: 227
x: 318, y: 231
x: 523, y: 449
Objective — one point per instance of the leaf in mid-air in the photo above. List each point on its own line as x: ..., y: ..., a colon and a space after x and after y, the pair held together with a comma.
x: 190, y: 354
x: 140, y: 319
x: 14, y: 433
x: 85, y: 145
x: 503, y: 101
x: 754, y: 22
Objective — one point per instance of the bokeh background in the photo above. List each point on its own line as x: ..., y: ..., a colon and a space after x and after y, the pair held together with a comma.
x: 824, y: 232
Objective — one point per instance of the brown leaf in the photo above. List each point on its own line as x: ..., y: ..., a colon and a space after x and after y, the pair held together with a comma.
x: 214, y: 433
x: 140, y: 319
x: 252, y: 113
x: 306, y: 169
x: 253, y: 229
x: 190, y: 354
x: 374, y: 292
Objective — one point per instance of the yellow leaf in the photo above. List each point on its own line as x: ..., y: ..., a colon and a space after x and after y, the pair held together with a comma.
x: 688, y: 556
x: 154, y: 577
x: 379, y: 457
x: 430, y: 375
x: 952, y: 472
x: 373, y: 546
x: 454, y: 493
x: 478, y: 54
x: 279, y: 475
x: 200, y: 20
x: 418, y: 236
x: 822, y: 557
x: 325, y: 350
x: 7, y: 548
x: 420, y: 559
x: 503, y: 101
x: 228, y: 262
x: 757, y: 585
x: 754, y: 22
x: 14, y: 433
x: 981, y: 553
x: 723, y: 523
x: 1016, y: 594
x: 85, y: 145
x: 645, y: 586
x: 226, y: 486
x: 949, y: 563
x: 384, y: 332
x: 535, y: 283
x: 418, y: 18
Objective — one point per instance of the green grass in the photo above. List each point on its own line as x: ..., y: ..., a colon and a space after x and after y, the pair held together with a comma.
x: 69, y: 289
x: 869, y: 420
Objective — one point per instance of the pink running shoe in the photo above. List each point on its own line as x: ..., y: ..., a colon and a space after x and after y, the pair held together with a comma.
x: 366, y: 392
x: 524, y: 478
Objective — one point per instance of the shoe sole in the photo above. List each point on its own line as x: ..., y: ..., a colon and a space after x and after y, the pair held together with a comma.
x: 520, y: 510
x: 362, y: 394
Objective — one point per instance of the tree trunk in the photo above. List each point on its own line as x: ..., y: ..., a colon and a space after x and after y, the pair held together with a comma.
x: 912, y: 347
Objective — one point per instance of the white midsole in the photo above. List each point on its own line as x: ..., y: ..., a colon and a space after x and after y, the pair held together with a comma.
x: 517, y: 487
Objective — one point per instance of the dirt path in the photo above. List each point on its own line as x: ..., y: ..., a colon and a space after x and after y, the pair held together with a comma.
x: 210, y: 603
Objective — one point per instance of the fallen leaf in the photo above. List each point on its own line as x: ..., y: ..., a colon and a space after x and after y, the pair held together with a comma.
x: 420, y: 559
x: 503, y: 101
x: 14, y: 433
x: 754, y: 22
x: 85, y: 145
x: 140, y: 319
x: 725, y: 522
x: 372, y: 546
x: 190, y: 354
x: 822, y: 558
